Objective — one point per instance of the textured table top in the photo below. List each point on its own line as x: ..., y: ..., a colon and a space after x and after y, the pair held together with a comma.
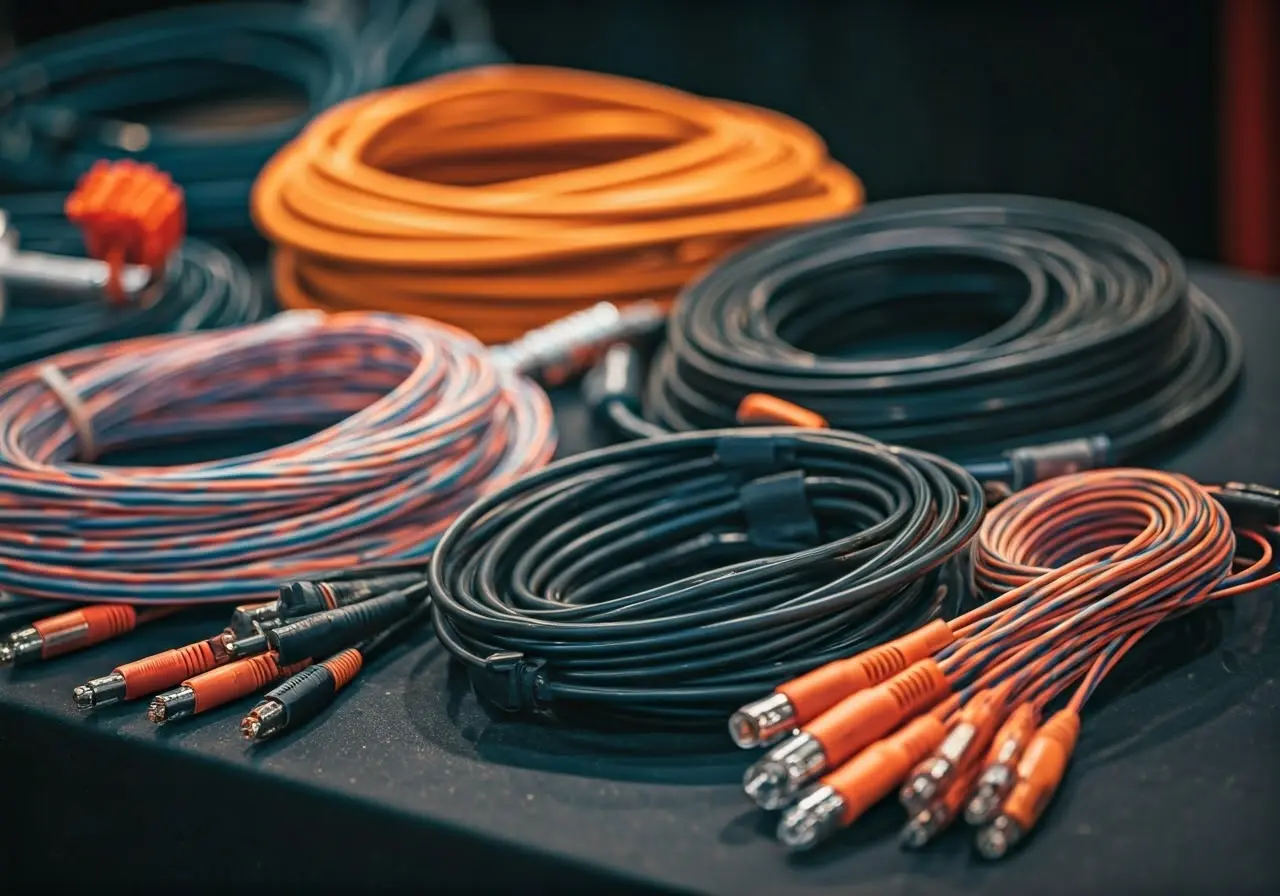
x: 407, y: 780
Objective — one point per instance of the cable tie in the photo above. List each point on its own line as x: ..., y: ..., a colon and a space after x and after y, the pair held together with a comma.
x: 510, y: 681
x: 80, y: 417
x: 779, y: 516
x: 753, y: 456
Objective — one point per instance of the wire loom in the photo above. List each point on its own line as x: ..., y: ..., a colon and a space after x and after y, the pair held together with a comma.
x: 670, y: 579
x: 1062, y: 322
x: 419, y: 422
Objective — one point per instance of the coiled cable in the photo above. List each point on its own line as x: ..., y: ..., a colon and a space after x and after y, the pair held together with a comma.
x: 502, y: 197
x: 1033, y: 320
x: 667, y: 580
x: 417, y: 422
x: 104, y: 92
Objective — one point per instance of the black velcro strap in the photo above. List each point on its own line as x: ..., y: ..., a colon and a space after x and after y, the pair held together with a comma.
x: 752, y: 456
x: 778, y: 514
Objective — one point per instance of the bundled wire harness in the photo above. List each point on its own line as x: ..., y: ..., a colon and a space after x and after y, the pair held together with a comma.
x: 665, y: 581
x: 1077, y: 570
x: 1044, y: 336
x: 499, y: 198
x: 418, y: 421
x: 112, y: 91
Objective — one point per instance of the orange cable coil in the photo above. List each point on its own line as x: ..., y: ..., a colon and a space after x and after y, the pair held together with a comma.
x: 500, y: 198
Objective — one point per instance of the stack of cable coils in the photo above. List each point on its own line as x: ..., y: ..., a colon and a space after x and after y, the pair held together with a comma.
x: 412, y: 422
x: 502, y: 197
x: 127, y: 89
x: 671, y: 579
x: 1017, y: 321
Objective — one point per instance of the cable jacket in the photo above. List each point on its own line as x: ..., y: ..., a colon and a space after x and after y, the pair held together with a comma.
x: 1027, y: 321
x: 500, y: 198
x: 415, y: 422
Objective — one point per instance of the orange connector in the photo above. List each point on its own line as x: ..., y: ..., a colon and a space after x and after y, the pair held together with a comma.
x: 758, y: 408
x: 851, y: 725
x: 152, y: 673
x: 128, y: 213
x: 841, y: 797
x: 803, y: 699
x: 221, y: 685
x: 1000, y: 766
x: 967, y: 738
x: 344, y: 666
x: 1040, y: 771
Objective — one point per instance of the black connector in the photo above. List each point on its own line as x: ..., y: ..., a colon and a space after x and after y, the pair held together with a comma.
x: 1250, y: 505
x: 250, y: 619
x: 300, y: 698
x: 618, y: 377
x: 298, y: 599
x: 511, y: 682
x: 323, y: 633
x: 1035, y: 463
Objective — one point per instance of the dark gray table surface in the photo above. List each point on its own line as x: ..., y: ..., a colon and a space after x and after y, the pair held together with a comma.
x: 407, y: 780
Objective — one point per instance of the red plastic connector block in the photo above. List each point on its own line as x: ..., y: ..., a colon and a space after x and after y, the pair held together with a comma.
x: 128, y: 213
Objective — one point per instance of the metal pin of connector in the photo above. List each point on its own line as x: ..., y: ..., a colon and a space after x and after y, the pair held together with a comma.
x: 175, y: 704
x: 44, y: 269
x: 100, y: 691
x: 763, y: 722
x: 813, y: 818
x: 264, y: 720
x: 776, y: 778
x: 22, y: 646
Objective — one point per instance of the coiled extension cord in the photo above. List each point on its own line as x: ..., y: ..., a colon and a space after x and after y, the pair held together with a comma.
x: 669, y: 580
x: 94, y: 94
x: 1057, y: 322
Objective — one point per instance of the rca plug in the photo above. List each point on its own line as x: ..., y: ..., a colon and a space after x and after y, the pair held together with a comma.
x: 218, y: 686
x: 298, y: 599
x: 999, y: 769
x: 249, y: 619
x: 152, y: 673
x: 1040, y: 771
x: 967, y: 737
x: 803, y: 699
x: 66, y: 632
x: 851, y: 725
x: 302, y: 697
x: 332, y: 630
x: 928, y: 822
x: 841, y: 797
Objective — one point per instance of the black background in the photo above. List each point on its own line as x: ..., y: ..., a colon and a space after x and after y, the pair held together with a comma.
x: 1107, y: 102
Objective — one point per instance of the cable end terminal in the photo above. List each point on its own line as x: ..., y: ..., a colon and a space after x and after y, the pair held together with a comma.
x: 775, y: 779
x: 763, y: 722
x: 171, y: 705
x: 263, y: 721
x: 996, y: 839
x: 815, y: 817
x: 100, y: 691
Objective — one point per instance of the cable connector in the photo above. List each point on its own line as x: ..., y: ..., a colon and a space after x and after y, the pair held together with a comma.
x: 1000, y: 767
x: 219, y: 686
x: 303, y: 598
x: 250, y: 619
x: 556, y: 352
x: 1040, y: 771
x: 510, y: 681
x: 1035, y: 463
x: 66, y: 632
x: 967, y: 738
x: 1249, y: 505
x: 617, y: 378
x: 152, y: 674
x: 839, y: 733
x: 803, y: 699
x: 842, y: 796
x: 931, y: 820
x: 332, y: 630
x: 302, y: 696
x: 128, y: 213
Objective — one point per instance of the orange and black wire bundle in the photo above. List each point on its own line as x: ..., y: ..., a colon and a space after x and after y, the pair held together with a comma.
x: 500, y: 198
x: 978, y: 717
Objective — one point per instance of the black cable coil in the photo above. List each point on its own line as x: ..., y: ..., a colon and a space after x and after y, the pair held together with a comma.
x: 1050, y: 321
x: 672, y: 579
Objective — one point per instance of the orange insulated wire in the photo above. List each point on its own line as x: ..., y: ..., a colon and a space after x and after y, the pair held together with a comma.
x: 500, y: 198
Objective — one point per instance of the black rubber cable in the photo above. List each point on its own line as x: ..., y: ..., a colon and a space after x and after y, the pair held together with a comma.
x: 670, y: 580
x: 1057, y: 321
